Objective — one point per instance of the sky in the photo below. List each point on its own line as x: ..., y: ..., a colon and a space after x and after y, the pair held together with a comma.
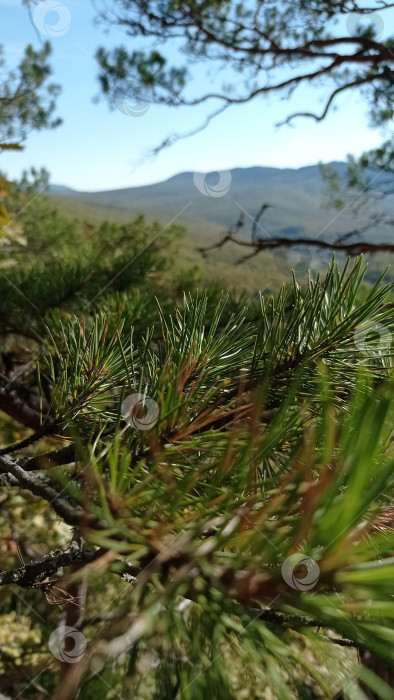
x: 97, y: 148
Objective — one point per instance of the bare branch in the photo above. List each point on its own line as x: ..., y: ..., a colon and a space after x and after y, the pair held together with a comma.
x: 54, y: 458
x: 71, y: 514
x: 51, y: 565
x: 348, y: 86
x: 47, y: 429
x: 19, y: 410
x: 28, y: 576
x: 179, y: 137
x: 257, y: 245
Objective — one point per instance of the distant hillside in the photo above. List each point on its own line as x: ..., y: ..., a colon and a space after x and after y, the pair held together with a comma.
x: 295, y: 198
x: 63, y: 191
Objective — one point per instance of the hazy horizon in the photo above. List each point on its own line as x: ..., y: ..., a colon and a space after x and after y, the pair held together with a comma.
x: 191, y: 172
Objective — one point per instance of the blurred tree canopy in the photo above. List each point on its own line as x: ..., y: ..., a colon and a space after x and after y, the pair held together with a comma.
x: 27, y: 100
x: 268, y: 47
x: 27, y: 103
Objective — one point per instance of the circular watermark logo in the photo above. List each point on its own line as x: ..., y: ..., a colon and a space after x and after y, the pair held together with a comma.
x: 358, y: 24
x: 374, y: 340
x: 52, y: 18
x: 134, y: 101
x: 202, y: 182
x: 67, y: 644
x: 298, y: 260
x: 140, y: 411
x: 300, y: 572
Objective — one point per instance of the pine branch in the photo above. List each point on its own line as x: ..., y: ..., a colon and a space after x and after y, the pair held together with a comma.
x: 34, y: 573
x: 19, y: 410
x: 48, y: 428
x: 71, y: 514
x: 47, y: 460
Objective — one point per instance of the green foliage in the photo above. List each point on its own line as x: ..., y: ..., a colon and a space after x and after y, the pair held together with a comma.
x: 58, y: 262
x: 27, y: 101
x: 272, y: 439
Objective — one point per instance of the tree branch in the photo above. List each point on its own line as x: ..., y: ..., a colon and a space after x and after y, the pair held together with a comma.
x: 36, y: 572
x: 71, y: 514
x: 348, y: 86
x: 47, y: 460
x: 46, y: 429
x: 258, y: 245
x: 19, y: 410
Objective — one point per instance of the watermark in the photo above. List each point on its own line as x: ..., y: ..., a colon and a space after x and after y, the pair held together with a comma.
x: 298, y: 260
x: 359, y: 24
x: 217, y: 189
x: 52, y: 18
x: 374, y: 340
x: 134, y: 101
x: 300, y: 572
x: 67, y: 644
x: 140, y: 411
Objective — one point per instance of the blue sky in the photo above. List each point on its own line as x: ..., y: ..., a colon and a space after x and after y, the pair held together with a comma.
x: 97, y: 148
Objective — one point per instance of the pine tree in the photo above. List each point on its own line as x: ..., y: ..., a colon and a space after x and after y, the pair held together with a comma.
x: 201, y: 493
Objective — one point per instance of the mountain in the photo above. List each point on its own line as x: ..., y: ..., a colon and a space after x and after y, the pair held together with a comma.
x: 62, y: 190
x: 295, y: 197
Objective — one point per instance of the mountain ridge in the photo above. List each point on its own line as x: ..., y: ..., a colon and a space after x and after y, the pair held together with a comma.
x: 219, y: 198
x: 57, y: 188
